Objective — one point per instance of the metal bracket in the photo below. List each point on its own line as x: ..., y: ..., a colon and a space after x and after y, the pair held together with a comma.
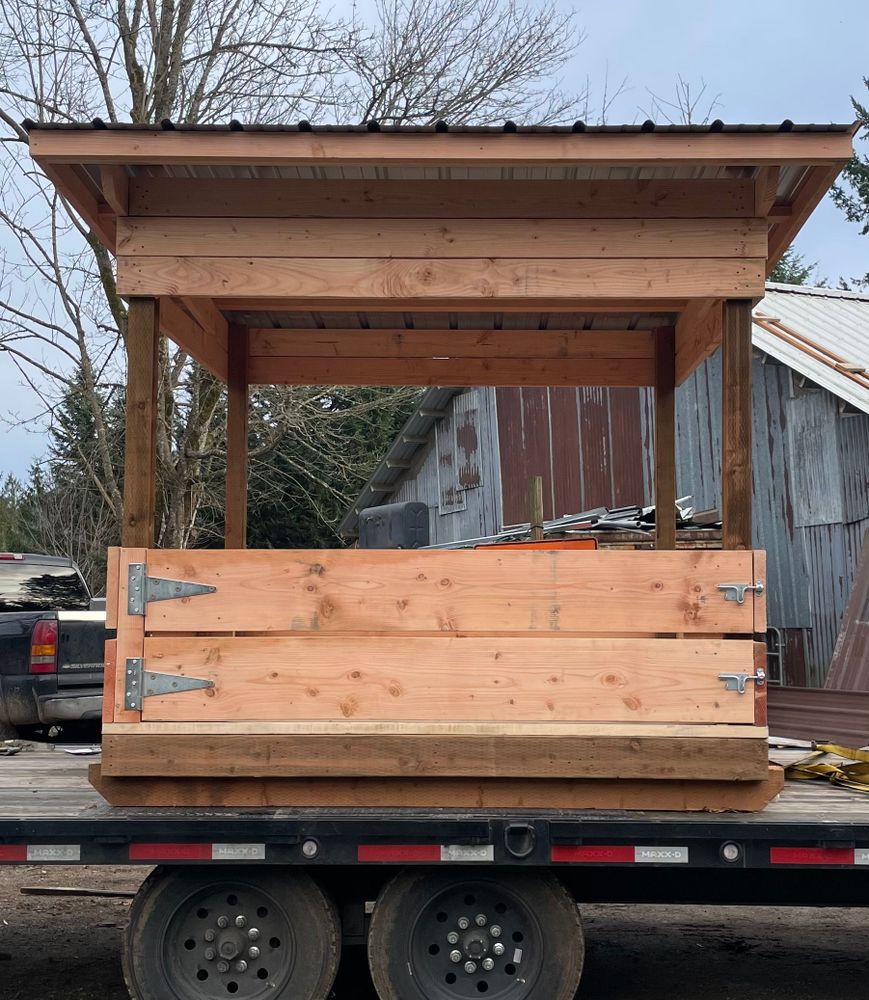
x: 736, y: 591
x: 142, y: 589
x: 738, y: 682
x: 140, y: 684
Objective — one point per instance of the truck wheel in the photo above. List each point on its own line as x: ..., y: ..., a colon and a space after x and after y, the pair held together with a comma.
x: 448, y: 936
x: 208, y: 933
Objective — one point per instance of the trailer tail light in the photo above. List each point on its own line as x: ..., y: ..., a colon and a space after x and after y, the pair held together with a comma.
x: 43, y: 647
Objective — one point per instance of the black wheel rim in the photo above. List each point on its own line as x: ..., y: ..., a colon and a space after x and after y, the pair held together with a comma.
x: 475, y: 939
x: 225, y: 941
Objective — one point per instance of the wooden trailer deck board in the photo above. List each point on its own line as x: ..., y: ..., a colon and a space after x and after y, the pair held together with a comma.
x: 462, y: 678
x: 515, y: 592
x: 285, y: 756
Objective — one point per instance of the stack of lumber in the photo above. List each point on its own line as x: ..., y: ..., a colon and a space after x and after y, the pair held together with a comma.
x: 519, y: 679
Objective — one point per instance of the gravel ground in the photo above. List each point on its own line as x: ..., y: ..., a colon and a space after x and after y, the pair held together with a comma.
x: 55, y: 948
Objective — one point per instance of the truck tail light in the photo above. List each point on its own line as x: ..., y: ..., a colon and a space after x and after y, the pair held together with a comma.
x: 43, y: 647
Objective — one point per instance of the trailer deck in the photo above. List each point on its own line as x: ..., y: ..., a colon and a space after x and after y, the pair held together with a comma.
x: 50, y: 813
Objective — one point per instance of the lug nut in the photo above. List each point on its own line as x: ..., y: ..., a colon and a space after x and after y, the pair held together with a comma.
x: 241, y: 966
x: 209, y: 935
x: 488, y: 965
x: 480, y: 920
x: 495, y: 930
x: 253, y: 952
x: 253, y: 934
x: 455, y: 956
x: 210, y: 954
x: 464, y: 923
x: 240, y: 921
x: 223, y: 966
x: 223, y: 921
x: 452, y: 938
x: 498, y: 948
x: 470, y: 968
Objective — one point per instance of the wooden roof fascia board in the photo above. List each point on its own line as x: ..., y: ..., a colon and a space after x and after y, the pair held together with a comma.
x: 288, y: 148
x: 75, y: 189
x: 810, y: 193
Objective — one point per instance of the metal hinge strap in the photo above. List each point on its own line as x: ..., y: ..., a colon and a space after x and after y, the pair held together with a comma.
x: 140, y: 683
x: 142, y: 589
x: 738, y: 682
x: 736, y: 591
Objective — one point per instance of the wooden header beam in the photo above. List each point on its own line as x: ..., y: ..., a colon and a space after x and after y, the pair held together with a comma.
x: 471, y: 149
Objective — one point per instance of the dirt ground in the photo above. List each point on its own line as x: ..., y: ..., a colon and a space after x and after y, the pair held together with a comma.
x: 55, y: 948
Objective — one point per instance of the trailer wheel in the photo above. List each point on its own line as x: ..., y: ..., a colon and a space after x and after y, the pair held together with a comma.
x: 217, y: 933
x: 448, y: 936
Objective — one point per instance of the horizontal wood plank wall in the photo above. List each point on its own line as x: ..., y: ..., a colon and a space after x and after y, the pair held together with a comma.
x: 194, y: 756
x: 442, y: 199
x: 518, y: 237
x: 509, y: 678
x: 516, y: 592
x: 487, y: 279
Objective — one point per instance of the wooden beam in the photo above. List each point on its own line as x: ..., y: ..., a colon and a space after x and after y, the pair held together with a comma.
x: 459, y: 148
x: 115, y: 182
x: 450, y: 371
x: 736, y: 477
x: 698, y: 334
x: 449, y: 793
x: 706, y: 758
x: 417, y: 281
x: 235, y: 518
x: 511, y: 304
x: 207, y: 346
x: 665, y: 438
x: 76, y: 189
x: 765, y: 187
x: 208, y: 197
x: 399, y: 342
x: 443, y: 238
x: 816, y: 184
x: 140, y: 452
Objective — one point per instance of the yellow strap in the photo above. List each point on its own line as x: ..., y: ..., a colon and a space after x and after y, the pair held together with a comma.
x: 854, y: 776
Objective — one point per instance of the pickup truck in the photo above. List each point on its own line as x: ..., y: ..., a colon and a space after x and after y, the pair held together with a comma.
x: 52, y: 637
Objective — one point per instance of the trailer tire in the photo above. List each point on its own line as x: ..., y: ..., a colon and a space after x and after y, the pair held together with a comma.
x: 202, y: 933
x: 529, y: 946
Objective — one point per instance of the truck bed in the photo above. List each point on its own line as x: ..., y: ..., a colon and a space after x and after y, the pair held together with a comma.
x: 46, y: 802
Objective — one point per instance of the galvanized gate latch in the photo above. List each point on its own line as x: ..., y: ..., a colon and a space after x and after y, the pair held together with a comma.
x: 738, y: 682
x: 140, y: 684
x: 736, y: 591
x: 142, y: 590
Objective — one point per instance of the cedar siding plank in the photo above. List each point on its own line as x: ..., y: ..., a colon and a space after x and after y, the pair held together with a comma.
x: 453, y: 591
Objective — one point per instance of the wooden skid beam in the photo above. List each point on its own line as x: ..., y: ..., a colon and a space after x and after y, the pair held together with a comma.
x: 206, y: 197
x: 470, y: 149
x: 442, y: 238
x: 707, y: 758
x: 489, y: 280
x: 517, y: 592
x: 400, y: 342
x: 615, y: 371
x: 545, y: 678
x: 448, y: 793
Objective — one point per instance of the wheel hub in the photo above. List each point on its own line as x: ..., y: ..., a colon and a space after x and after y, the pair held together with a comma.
x: 476, y: 944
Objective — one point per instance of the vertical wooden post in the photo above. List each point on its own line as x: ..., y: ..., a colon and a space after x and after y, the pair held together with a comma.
x: 665, y: 438
x: 140, y: 440
x: 235, y: 518
x: 736, y: 482
x: 535, y: 507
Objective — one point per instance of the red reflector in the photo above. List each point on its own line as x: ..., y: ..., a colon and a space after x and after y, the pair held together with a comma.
x: 43, y: 647
x: 170, y: 852
x: 612, y: 854
x: 811, y: 855
x: 399, y: 852
x: 6, y: 556
x: 13, y: 852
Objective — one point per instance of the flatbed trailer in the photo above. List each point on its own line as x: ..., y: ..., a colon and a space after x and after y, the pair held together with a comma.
x: 808, y: 847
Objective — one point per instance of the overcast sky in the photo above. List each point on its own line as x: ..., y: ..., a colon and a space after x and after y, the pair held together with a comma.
x: 765, y: 59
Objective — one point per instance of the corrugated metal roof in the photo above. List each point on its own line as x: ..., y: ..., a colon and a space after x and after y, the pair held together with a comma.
x: 821, y: 333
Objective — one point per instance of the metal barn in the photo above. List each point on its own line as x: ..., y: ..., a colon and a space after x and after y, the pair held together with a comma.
x: 468, y: 454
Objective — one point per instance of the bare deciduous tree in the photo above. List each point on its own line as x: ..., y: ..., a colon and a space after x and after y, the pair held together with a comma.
x: 204, y: 61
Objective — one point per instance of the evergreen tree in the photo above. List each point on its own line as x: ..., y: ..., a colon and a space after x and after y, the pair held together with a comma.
x: 792, y: 269
x: 852, y: 196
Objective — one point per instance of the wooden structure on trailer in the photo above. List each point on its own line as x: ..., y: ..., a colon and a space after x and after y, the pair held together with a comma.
x: 366, y: 256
